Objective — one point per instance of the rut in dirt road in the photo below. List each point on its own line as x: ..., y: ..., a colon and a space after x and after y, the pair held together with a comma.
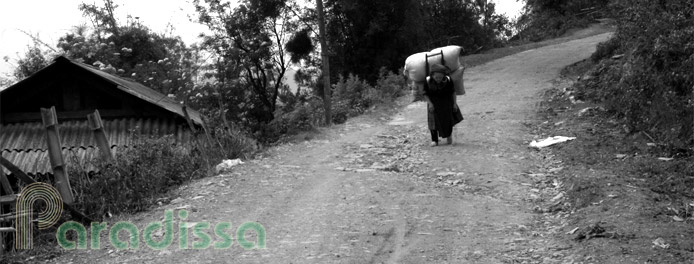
x: 375, y: 192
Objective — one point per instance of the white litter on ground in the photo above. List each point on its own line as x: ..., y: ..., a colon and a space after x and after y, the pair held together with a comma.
x: 227, y: 165
x: 550, y: 141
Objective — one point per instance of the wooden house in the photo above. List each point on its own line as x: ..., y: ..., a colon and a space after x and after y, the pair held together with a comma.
x: 128, y: 110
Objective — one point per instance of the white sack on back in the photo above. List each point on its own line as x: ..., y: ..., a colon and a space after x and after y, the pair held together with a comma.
x: 415, y: 67
x: 457, y: 78
x: 451, y: 55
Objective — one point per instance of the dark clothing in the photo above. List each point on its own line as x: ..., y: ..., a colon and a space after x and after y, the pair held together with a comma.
x: 444, y: 114
x: 431, y: 117
x: 434, y: 135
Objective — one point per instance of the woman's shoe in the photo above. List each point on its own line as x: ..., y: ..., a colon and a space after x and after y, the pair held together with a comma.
x: 449, y: 140
x: 433, y: 144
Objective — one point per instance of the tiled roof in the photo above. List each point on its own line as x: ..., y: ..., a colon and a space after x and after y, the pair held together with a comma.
x: 35, y: 162
x: 24, y: 144
x: 141, y: 91
x: 126, y: 85
x: 75, y: 133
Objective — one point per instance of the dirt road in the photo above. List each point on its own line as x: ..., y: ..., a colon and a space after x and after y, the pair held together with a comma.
x: 373, y: 191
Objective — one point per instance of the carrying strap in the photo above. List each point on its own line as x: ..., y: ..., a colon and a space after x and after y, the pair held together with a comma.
x: 426, y: 60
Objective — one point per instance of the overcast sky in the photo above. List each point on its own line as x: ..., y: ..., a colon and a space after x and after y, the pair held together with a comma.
x: 51, y: 19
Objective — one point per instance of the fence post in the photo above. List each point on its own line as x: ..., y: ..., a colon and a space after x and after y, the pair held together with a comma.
x: 97, y: 127
x: 55, y: 153
x: 2, y: 235
x: 8, y: 191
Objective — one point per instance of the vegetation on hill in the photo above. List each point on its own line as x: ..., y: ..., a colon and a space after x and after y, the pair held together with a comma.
x: 543, y: 19
x: 645, y: 72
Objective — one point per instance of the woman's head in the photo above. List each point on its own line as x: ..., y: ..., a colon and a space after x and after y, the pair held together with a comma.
x: 438, y: 72
x: 438, y: 76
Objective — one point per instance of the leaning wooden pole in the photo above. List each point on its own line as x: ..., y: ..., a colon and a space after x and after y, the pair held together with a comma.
x: 55, y: 153
x: 97, y: 127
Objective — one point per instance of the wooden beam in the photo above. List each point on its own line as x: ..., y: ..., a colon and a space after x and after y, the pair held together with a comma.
x: 16, y: 171
x: 97, y: 127
x: 55, y: 154
x: 28, y: 180
x: 5, y: 183
x: 8, y: 199
x: 12, y: 217
x: 188, y: 120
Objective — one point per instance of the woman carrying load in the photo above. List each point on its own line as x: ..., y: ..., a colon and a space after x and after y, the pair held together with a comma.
x: 442, y: 110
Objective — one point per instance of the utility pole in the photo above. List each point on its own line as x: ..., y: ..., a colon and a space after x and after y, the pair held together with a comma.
x: 325, y: 61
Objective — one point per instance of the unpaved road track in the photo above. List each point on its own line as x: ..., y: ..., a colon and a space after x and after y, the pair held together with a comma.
x: 321, y: 201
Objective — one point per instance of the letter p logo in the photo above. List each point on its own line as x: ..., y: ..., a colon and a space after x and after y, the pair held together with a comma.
x: 38, y: 191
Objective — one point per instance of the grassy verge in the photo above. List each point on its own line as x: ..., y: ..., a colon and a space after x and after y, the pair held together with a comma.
x: 629, y: 200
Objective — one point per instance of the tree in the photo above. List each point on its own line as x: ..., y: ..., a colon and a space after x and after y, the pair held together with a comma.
x: 249, y: 42
x: 163, y: 63
x: 325, y: 61
x: 543, y: 19
x: 467, y: 23
x: 34, y: 59
x: 367, y: 35
x: 132, y: 50
x: 499, y: 24
x: 38, y: 55
x: 5, y: 81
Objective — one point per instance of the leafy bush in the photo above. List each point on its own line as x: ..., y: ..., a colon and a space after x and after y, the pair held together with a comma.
x: 226, y: 143
x: 304, y: 117
x: 353, y: 96
x: 341, y: 112
x: 136, y: 178
x: 143, y: 172
x: 349, y: 98
x: 350, y: 92
x: 605, y: 50
x: 652, y: 85
x: 390, y: 85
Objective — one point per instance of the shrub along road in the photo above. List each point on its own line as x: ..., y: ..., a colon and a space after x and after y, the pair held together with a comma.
x: 373, y: 191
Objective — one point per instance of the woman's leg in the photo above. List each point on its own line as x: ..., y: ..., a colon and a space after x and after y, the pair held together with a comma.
x: 434, y: 137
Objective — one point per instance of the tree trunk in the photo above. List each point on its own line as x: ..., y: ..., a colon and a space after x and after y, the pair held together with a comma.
x: 325, y: 62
